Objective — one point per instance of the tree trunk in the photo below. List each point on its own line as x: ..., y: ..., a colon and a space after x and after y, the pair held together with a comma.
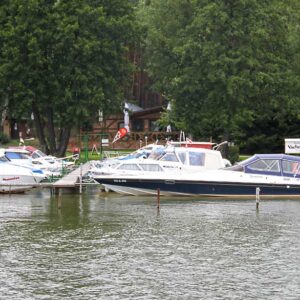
x: 39, y: 127
x: 51, y: 131
x: 64, y: 141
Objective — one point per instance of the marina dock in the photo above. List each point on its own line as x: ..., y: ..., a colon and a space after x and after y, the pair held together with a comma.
x: 73, y: 179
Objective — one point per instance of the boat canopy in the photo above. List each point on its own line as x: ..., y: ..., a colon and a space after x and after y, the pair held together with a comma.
x: 270, y: 164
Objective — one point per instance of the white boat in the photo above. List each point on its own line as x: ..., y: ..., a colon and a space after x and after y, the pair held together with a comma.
x: 17, y: 179
x: 53, y: 162
x: 272, y: 175
x: 165, y: 160
x: 35, y: 160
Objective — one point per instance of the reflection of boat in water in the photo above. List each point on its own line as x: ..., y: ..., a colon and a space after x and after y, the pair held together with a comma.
x: 17, y: 179
x: 276, y: 175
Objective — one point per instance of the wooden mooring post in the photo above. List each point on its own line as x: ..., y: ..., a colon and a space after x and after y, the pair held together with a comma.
x: 257, y: 198
x: 158, y: 199
x: 80, y: 180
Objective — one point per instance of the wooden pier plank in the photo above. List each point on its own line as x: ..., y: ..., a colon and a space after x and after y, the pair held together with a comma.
x: 73, y: 178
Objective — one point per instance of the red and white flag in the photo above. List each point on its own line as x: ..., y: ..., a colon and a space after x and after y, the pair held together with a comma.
x: 121, y: 133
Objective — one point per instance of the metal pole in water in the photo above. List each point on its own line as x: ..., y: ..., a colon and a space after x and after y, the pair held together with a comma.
x: 257, y: 197
x: 59, y: 201
x: 158, y: 198
x: 80, y: 180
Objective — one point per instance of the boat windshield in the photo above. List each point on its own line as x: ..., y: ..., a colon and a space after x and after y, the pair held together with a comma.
x: 291, y: 168
x: 265, y: 165
x: 16, y: 155
x: 169, y: 157
x: 38, y: 154
x: 157, y: 153
x: 182, y: 156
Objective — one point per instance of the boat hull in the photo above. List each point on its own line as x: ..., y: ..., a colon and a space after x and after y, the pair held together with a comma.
x: 199, y: 188
x: 17, y: 183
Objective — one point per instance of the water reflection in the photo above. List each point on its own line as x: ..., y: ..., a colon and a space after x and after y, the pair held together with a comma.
x: 99, y: 246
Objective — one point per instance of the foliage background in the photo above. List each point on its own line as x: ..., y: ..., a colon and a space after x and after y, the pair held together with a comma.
x: 230, y: 68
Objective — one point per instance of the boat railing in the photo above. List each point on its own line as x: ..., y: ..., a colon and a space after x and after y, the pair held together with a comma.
x: 114, y: 154
x: 220, y: 145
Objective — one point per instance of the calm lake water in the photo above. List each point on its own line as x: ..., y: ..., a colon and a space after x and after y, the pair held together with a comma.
x: 100, y: 246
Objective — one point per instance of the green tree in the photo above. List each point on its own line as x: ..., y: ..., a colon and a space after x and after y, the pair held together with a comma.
x: 226, y: 63
x: 63, y: 61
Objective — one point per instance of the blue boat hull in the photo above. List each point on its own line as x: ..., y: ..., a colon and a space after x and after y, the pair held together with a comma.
x: 183, y: 187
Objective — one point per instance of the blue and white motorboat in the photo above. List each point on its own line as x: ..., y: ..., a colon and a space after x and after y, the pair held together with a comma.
x: 21, y: 157
x: 275, y: 175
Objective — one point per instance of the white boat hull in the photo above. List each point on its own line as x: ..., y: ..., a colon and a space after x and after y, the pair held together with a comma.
x: 15, y: 179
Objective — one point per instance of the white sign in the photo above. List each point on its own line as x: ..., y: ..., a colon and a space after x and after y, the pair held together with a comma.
x: 105, y: 142
x: 292, y: 145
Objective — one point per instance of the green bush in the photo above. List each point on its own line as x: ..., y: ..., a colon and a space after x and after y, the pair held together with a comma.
x: 4, y: 139
x: 233, y: 154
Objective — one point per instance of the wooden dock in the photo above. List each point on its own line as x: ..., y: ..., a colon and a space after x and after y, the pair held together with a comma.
x: 73, y: 179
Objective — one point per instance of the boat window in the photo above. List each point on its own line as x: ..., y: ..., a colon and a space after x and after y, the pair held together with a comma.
x: 182, y: 157
x: 291, y: 167
x: 15, y: 155
x: 131, y: 167
x: 151, y: 167
x: 169, y: 157
x: 34, y: 155
x: 196, y: 158
x: 141, y: 155
x: 156, y: 154
x: 37, y: 154
x: 265, y: 165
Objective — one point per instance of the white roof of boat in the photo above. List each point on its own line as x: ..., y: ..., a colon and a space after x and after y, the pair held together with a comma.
x: 16, y: 150
x: 190, y: 149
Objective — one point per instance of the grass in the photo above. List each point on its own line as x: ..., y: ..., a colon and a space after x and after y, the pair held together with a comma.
x: 243, y: 157
x: 97, y: 156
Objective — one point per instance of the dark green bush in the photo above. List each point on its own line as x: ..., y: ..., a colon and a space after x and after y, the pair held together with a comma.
x: 233, y: 154
x: 4, y: 139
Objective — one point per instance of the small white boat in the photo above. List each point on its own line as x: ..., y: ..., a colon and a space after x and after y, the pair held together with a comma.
x: 17, y: 179
x: 35, y: 160
x: 53, y: 163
